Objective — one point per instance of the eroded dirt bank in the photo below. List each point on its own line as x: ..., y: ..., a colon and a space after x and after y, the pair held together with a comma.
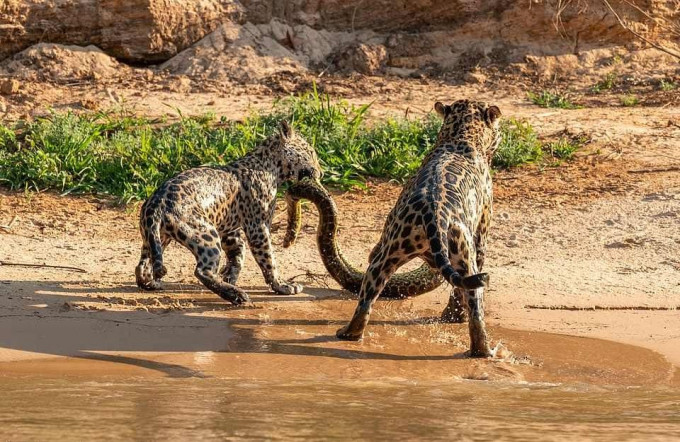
x: 112, y: 53
x: 585, y: 249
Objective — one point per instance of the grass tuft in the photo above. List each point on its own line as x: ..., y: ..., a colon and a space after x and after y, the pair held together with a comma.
x: 667, y: 85
x: 564, y: 147
x: 552, y: 99
x: 606, y: 84
x: 519, y: 145
x: 629, y: 100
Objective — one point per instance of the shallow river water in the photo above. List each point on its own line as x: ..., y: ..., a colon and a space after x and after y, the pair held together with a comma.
x: 217, y: 408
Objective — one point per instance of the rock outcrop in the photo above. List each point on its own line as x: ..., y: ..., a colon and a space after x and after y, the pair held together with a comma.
x: 135, y: 31
x: 252, y: 39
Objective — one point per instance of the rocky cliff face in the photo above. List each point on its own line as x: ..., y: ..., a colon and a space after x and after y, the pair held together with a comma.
x: 228, y: 38
x: 377, y: 15
x: 551, y: 19
x: 137, y: 31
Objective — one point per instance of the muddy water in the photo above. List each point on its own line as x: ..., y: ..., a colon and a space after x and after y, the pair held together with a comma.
x: 217, y: 408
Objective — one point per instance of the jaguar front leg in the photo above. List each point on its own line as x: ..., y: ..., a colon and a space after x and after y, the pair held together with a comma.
x: 259, y: 240
x: 455, y: 311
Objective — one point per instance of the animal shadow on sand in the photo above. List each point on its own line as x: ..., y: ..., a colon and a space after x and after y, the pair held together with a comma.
x: 74, y: 318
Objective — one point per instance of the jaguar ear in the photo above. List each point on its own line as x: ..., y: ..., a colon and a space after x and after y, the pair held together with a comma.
x: 492, y: 114
x: 441, y: 109
x: 285, y: 130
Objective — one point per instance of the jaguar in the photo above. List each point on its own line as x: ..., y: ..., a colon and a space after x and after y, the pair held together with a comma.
x: 210, y: 209
x: 442, y: 216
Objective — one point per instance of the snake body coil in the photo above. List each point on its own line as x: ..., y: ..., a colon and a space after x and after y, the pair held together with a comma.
x: 401, y: 285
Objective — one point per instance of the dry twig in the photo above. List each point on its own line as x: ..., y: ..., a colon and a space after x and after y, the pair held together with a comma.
x: 8, y: 227
x: 637, y: 34
x: 659, y: 170
x: 598, y: 307
x: 672, y: 29
x: 48, y: 266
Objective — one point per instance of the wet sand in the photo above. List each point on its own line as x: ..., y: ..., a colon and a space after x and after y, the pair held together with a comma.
x: 292, y: 338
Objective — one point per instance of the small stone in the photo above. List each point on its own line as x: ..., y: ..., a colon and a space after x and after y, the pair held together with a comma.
x: 475, y: 78
x: 9, y: 87
x: 363, y: 58
x: 181, y: 84
x: 89, y: 103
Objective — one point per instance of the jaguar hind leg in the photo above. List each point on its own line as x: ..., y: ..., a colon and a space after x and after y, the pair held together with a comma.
x: 144, y: 274
x: 456, y: 309
x: 464, y: 261
x: 235, y: 249
x: 144, y: 271
x: 202, y: 239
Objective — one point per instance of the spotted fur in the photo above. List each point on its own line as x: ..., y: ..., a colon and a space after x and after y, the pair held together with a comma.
x: 208, y: 209
x: 442, y: 216
x: 401, y: 285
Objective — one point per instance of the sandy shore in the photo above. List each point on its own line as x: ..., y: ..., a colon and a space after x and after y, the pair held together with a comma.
x: 65, y: 322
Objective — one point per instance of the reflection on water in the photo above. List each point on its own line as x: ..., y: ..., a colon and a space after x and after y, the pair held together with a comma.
x: 181, y: 409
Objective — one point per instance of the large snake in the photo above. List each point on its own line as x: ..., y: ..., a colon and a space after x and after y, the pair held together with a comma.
x: 401, y: 285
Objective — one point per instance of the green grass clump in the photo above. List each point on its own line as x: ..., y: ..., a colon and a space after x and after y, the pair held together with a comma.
x: 616, y: 59
x: 129, y: 157
x: 606, y: 84
x: 667, y: 85
x: 629, y: 100
x: 102, y: 153
x: 519, y: 145
x: 350, y: 149
x: 564, y: 148
x: 552, y: 99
